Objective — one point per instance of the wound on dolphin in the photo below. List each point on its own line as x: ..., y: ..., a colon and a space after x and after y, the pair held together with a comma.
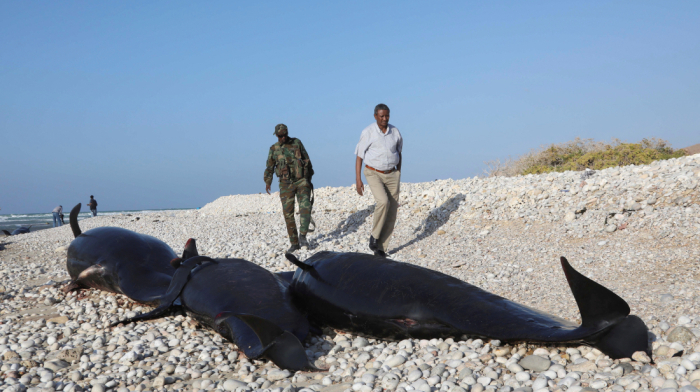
x: 383, y: 298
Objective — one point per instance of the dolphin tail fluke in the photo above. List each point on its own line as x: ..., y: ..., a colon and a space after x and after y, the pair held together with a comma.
x: 7, y: 233
x: 621, y: 334
x: 624, y: 338
x: 281, y: 347
x: 73, y: 220
x: 599, y: 307
x: 297, y: 262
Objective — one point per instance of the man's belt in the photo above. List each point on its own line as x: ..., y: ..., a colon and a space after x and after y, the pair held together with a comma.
x: 380, y: 171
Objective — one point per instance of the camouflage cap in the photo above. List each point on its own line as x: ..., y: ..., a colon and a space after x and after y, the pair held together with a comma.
x: 280, y: 130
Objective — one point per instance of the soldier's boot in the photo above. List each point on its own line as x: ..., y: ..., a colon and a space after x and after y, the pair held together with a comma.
x: 303, y: 242
x: 293, y: 248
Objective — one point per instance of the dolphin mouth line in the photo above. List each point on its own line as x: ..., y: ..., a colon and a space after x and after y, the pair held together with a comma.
x: 92, y: 270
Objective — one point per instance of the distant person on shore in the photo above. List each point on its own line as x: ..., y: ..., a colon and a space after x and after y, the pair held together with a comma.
x: 93, y: 205
x: 288, y: 159
x: 57, y: 213
x: 380, y: 148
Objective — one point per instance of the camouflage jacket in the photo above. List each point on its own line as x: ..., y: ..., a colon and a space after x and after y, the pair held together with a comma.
x: 289, y: 161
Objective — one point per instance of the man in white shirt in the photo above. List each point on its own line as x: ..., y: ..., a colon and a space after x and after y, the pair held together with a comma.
x: 380, y: 148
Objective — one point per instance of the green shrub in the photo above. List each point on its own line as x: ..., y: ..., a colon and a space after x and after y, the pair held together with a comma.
x: 580, y: 154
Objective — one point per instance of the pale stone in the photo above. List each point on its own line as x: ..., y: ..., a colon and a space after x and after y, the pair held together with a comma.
x: 277, y: 374
x: 641, y: 356
x: 680, y: 334
x: 231, y: 384
x: 535, y: 363
x: 58, y: 320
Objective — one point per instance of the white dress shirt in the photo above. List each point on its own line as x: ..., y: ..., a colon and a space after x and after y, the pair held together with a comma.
x: 380, y: 150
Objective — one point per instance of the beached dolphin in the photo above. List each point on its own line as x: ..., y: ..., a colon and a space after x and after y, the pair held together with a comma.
x: 145, y: 269
x: 384, y: 298
x: 245, y: 303
x: 120, y: 261
x: 19, y: 230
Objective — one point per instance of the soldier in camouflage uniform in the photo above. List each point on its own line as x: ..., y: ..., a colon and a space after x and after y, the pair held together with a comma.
x: 288, y: 159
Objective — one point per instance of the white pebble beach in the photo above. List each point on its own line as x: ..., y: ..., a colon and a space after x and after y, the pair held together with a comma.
x: 634, y: 229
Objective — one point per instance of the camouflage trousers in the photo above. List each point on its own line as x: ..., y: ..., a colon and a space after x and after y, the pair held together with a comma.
x: 302, y: 190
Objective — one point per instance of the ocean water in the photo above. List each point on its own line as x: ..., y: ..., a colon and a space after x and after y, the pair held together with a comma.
x: 43, y: 221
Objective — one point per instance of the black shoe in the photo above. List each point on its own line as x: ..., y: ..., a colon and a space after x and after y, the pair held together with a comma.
x: 293, y: 248
x: 303, y: 242
x: 373, y: 244
x: 380, y: 253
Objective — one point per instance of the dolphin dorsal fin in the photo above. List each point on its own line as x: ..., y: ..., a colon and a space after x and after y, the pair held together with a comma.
x: 189, y: 252
x: 298, y: 262
x: 190, y: 249
x: 599, y: 307
x: 73, y: 220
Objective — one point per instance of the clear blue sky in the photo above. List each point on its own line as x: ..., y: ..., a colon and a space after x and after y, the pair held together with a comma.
x: 172, y: 104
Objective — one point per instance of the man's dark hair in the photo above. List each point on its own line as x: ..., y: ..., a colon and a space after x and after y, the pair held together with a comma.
x: 381, y: 106
x: 91, y: 196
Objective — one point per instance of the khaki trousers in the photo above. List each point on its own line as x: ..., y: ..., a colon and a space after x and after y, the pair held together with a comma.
x: 385, y: 189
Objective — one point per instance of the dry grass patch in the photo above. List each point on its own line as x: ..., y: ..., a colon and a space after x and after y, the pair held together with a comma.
x: 580, y: 154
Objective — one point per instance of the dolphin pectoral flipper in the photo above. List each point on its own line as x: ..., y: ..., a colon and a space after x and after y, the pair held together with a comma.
x: 155, y: 313
x: 180, y: 278
x: 287, y: 352
x: 599, y: 307
x: 281, y: 347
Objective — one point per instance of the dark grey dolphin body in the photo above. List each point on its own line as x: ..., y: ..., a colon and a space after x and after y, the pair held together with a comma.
x: 383, y: 298
x: 266, y: 322
x: 145, y: 269
x: 19, y: 230
x: 120, y: 261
